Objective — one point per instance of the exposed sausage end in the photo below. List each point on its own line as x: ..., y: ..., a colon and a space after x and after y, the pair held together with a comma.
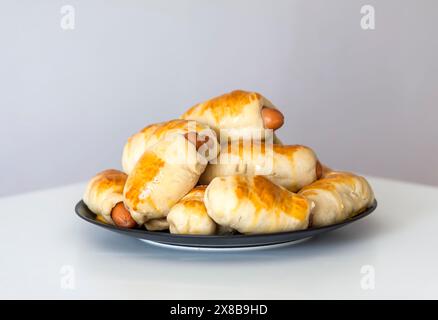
x: 121, y: 216
x: 272, y: 118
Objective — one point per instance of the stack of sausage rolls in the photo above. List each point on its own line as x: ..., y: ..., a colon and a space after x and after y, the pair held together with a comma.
x: 220, y: 168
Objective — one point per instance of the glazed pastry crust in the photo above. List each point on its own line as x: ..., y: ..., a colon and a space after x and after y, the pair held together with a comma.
x: 337, y: 197
x: 189, y: 215
x: 292, y: 167
x: 239, y: 112
x: 163, y: 175
x: 253, y: 205
x: 103, y: 192
x: 150, y: 135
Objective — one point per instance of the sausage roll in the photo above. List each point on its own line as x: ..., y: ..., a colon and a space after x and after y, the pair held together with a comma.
x: 164, y: 174
x: 337, y: 197
x: 292, y: 167
x: 150, y: 135
x: 189, y: 215
x: 255, y: 205
x: 104, y: 192
x: 238, y: 115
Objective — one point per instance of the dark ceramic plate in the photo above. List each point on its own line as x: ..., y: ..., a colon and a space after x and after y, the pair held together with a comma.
x: 222, y: 241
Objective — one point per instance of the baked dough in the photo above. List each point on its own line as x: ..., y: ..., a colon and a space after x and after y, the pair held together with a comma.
x: 164, y: 174
x: 157, y: 224
x: 150, y: 135
x: 255, y: 205
x: 189, y: 215
x: 292, y: 167
x: 337, y: 197
x: 235, y: 115
x: 103, y: 192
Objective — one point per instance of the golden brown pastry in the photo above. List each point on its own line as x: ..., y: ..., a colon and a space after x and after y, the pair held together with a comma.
x: 337, y: 197
x: 104, y: 197
x: 325, y: 170
x: 255, y: 205
x: 189, y: 215
x: 165, y: 173
x: 238, y: 115
x: 292, y: 167
x: 150, y: 135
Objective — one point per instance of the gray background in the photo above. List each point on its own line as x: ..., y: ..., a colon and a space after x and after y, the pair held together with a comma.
x: 364, y: 100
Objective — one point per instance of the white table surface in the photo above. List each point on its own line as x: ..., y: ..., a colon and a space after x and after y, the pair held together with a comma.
x: 46, y: 251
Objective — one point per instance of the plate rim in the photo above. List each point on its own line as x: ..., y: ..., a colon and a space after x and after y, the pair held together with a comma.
x: 216, y: 248
x: 168, y: 235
